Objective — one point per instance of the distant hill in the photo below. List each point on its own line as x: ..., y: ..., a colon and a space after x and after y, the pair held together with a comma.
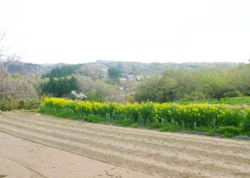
x: 31, y: 68
x: 124, y: 67
x: 150, y: 68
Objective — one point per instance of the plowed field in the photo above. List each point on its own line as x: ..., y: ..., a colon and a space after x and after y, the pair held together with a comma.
x: 33, y: 145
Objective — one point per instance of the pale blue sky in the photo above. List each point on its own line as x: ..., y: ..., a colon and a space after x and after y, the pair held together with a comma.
x: 79, y: 31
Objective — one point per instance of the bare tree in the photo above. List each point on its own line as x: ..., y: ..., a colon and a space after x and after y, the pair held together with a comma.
x: 5, y: 62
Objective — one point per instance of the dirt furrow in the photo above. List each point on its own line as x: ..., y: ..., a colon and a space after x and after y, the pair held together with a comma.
x: 134, y: 163
x: 122, y: 142
x: 131, y: 149
x: 198, y: 152
x: 152, y: 152
x: 147, y: 135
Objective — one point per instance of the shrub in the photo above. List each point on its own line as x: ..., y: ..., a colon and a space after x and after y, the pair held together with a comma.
x: 21, y: 104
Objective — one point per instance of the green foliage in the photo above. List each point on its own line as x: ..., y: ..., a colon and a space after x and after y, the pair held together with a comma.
x: 170, y: 128
x: 93, y: 118
x: 201, y: 129
x: 229, y: 130
x: 135, y: 125
x: 217, y: 81
x: 165, y: 116
x: 114, y: 74
x: 63, y: 71
x: 246, y: 122
x: 227, y: 135
x: 210, y: 132
x: 212, y: 81
x: 244, y: 100
x: 21, y: 104
x: 124, y: 123
x: 60, y: 87
x: 95, y: 96
x: 7, y: 104
x: 172, y: 85
x: 148, y: 90
x: 32, y: 104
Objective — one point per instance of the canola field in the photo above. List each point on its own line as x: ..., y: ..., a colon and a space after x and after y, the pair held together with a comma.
x: 187, y: 116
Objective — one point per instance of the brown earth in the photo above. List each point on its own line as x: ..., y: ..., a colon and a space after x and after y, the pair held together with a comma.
x: 39, y: 146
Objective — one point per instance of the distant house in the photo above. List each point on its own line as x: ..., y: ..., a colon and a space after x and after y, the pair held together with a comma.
x: 130, y: 77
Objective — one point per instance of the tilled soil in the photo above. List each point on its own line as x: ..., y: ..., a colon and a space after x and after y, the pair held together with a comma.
x: 127, y: 152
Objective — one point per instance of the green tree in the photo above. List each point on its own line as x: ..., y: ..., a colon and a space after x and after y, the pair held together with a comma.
x: 243, y: 79
x: 148, y: 89
x: 60, y: 86
x: 217, y: 81
x: 63, y: 71
x: 170, y: 84
x: 114, y: 75
x: 168, y: 87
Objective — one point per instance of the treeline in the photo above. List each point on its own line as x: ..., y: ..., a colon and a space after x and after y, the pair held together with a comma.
x: 59, y: 87
x: 209, y: 82
x: 62, y: 71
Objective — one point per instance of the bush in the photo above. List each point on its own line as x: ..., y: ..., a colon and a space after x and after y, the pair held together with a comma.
x: 21, y: 104
x: 7, y: 104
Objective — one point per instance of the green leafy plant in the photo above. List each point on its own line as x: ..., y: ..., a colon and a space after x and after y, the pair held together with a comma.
x: 229, y: 130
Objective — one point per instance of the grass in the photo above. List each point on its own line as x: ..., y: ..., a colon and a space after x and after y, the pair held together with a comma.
x: 244, y: 100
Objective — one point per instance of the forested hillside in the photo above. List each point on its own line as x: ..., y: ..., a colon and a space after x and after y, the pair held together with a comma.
x: 123, y: 82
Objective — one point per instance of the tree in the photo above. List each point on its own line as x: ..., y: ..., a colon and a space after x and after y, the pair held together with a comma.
x: 148, y: 89
x: 114, y: 75
x: 99, y: 91
x: 170, y: 84
x: 168, y: 87
x: 61, y: 86
x: 5, y: 61
x: 217, y: 81
x: 63, y: 71
x: 243, y: 79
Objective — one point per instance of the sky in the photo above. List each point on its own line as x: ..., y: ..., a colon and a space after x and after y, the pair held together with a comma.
x: 82, y: 31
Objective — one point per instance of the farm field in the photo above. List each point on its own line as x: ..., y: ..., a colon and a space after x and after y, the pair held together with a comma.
x: 34, y: 145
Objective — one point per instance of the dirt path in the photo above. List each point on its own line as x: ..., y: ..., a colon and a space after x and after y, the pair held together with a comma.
x: 77, y: 149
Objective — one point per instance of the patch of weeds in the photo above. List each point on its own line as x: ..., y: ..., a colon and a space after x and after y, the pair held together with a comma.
x: 156, y: 125
x: 210, y: 132
x: 192, y: 132
x: 229, y: 131
x: 246, y: 124
x: 227, y: 135
x: 201, y: 129
x: 93, y: 119
x: 126, y: 123
x: 118, y: 122
x: 135, y: 125
x: 170, y: 128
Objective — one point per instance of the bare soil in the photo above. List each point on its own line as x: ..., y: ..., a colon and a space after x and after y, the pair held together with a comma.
x: 40, y: 146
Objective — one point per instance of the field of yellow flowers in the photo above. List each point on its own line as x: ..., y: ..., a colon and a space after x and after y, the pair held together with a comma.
x: 186, y: 116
